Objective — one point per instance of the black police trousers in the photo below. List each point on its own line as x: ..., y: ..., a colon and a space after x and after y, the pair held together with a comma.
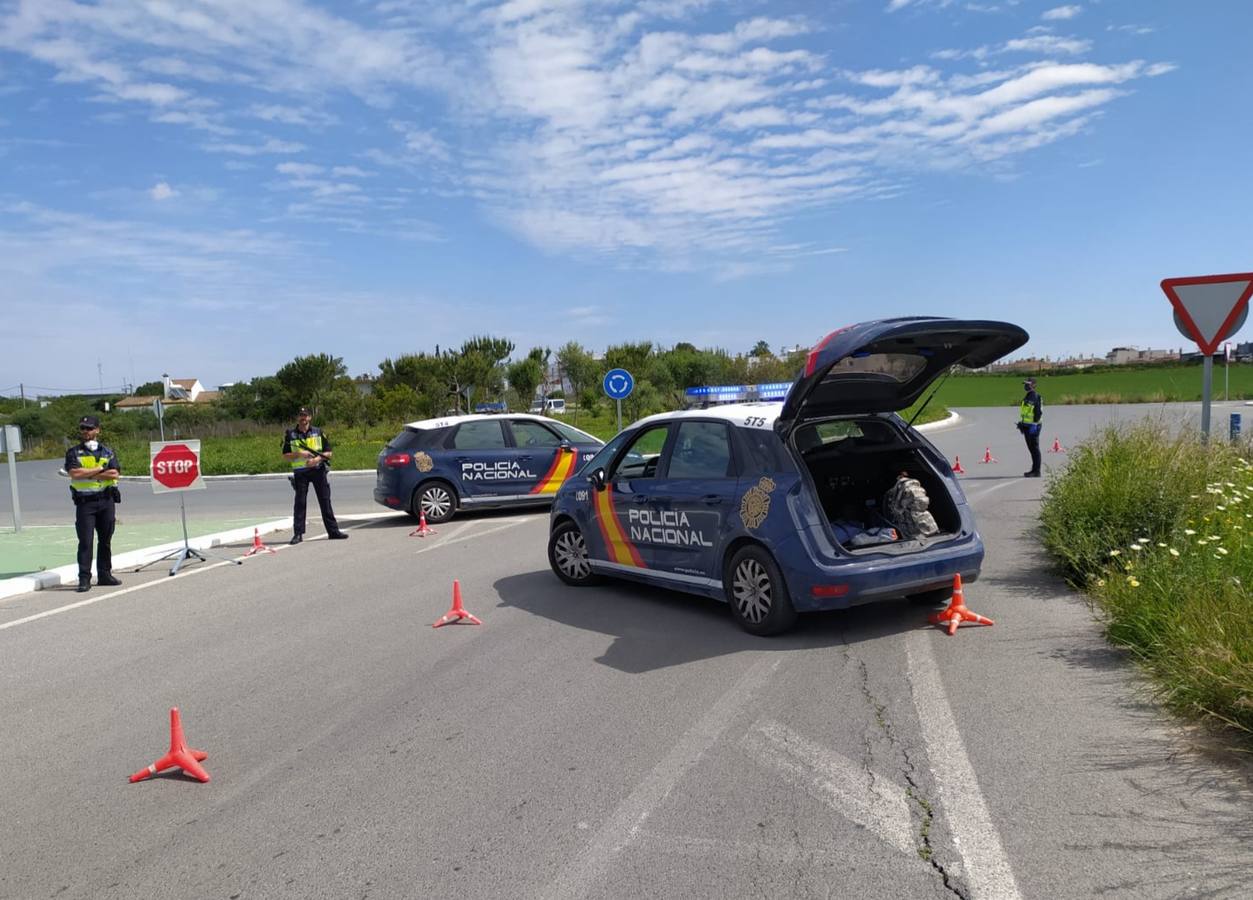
x: 1032, y: 438
x: 94, y: 516
x: 316, y: 476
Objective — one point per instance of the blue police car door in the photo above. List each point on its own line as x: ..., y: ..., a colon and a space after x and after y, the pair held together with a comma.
x: 543, y: 459
x: 482, y: 458
x: 623, y: 509
x: 691, y: 500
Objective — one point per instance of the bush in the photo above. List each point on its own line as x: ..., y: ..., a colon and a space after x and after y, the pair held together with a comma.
x: 1155, y: 526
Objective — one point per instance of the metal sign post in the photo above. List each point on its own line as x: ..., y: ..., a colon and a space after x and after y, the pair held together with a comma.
x: 618, y: 385
x: 1209, y: 309
x: 11, y: 444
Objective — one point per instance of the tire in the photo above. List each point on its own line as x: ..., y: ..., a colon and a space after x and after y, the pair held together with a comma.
x: 933, y: 597
x: 567, y: 554
x: 437, y: 499
x: 758, y: 596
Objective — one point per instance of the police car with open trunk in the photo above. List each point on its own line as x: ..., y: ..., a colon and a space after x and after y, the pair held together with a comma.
x: 781, y: 509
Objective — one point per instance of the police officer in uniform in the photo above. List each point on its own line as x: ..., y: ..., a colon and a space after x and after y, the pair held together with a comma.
x: 309, y: 451
x: 1030, y: 412
x: 93, y: 469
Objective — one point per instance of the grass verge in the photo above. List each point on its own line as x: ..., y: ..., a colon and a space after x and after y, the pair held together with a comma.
x: 1158, y: 529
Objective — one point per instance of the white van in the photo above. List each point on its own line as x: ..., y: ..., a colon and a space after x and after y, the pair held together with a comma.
x: 551, y: 405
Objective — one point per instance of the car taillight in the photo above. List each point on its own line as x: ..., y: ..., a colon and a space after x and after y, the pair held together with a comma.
x: 397, y: 460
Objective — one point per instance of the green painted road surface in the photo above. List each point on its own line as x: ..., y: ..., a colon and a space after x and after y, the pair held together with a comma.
x: 40, y: 547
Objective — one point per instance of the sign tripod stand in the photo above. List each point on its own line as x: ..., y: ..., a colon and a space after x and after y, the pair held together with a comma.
x: 176, y: 467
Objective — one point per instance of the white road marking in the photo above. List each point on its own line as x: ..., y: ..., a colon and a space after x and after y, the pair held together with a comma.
x: 217, y: 565
x: 983, y: 493
x: 466, y: 537
x: 871, y: 800
x: 626, y: 822
x: 987, y: 867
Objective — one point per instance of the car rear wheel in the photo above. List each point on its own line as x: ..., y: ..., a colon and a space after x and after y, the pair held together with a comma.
x: 437, y: 500
x: 567, y: 554
x: 758, y: 596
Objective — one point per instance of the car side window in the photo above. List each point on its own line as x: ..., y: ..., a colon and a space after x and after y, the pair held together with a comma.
x: 533, y: 434
x: 484, y: 435
x: 643, y: 454
x: 701, y: 450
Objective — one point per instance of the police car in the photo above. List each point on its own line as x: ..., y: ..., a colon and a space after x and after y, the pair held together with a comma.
x: 437, y: 466
x: 781, y: 508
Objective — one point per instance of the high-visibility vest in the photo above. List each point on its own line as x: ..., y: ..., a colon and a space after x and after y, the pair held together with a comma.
x: 313, y: 441
x: 1026, y: 413
x: 89, y: 485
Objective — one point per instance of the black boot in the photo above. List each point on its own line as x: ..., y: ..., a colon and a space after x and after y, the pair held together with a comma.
x: 84, y: 584
x: 296, y: 538
x: 107, y: 578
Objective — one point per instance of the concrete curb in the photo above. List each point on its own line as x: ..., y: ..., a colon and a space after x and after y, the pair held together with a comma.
x: 953, y: 419
x: 51, y: 578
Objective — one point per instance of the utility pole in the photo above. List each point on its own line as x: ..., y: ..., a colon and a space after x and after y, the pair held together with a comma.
x: 22, y: 388
x: 100, y: 374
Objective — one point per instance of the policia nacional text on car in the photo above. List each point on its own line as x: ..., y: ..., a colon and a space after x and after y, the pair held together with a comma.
x: 309, y: 451
x: 93, y: 469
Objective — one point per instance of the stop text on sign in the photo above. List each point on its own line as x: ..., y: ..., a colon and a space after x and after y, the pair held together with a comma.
x: 175, y: 466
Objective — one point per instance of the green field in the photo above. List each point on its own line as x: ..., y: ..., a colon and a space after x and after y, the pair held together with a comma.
x: 1113, y: 384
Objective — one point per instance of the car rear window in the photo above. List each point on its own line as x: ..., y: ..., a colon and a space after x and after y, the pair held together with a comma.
x: 406, y: 440
x: 899, y: 367
x: 573, y: 435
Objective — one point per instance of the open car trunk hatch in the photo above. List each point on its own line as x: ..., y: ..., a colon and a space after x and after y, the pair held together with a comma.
x: 885, y: 366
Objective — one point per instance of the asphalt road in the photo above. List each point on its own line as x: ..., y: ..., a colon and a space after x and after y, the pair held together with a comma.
x: 597, y: 743
x: 44, y: 497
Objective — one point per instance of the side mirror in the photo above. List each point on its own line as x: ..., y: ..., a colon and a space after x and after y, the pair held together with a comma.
x: 566, y: 446
x: 597, y: 479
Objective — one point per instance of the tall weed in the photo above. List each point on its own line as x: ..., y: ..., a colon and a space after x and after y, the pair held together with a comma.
x: 1157, y: 528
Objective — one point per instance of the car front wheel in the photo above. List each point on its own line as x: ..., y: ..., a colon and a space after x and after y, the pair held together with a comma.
x: 436, y: 500
x: 567, y: 554
x: 759, y: 599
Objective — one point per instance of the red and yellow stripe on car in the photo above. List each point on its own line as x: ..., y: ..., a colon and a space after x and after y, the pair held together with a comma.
x: 621, y: 550
x: 561, y: 469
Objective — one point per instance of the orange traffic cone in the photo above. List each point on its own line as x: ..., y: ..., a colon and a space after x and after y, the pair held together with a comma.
x: 957, y: 612
x: 257, y: 546
x: 987, y: 456
x: 423, y: 529
x: 458, y: 612
x: 957, y: 466
x: 180, y: 755
x: 1057, y: 447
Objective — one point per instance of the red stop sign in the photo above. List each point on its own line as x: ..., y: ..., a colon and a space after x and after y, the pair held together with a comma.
x: 175, y: 466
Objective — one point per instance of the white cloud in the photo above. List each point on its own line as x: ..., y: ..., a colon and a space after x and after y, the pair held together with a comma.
x: 1058, y: 13
x: 271, y: 145
x: 631, y: 129
x: 162, y: 191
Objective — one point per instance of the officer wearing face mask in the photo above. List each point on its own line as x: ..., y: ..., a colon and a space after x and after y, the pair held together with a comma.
x: 93, y: 469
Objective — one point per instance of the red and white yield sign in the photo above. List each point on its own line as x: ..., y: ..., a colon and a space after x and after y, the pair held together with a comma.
x: 1210, y: 308
x: 175, y: 466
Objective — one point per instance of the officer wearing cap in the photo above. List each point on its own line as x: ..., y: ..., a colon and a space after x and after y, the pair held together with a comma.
x: 93, y: 469
x: 1030, y: 412
x: 309, y: 451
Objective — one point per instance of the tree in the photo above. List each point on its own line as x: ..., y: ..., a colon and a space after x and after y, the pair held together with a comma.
x: 761, y: 349
x: 150, y: 389
x: 524, y: 377
x: 579, y: 369
x: 307, y: 379
x: 477, y: 369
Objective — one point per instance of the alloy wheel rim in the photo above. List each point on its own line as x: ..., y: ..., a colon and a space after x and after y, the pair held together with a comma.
x: 436, y: 502
x: 751, y: 588
x: 570, y: 551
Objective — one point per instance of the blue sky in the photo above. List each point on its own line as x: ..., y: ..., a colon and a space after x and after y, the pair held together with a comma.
x: 212, y: 187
